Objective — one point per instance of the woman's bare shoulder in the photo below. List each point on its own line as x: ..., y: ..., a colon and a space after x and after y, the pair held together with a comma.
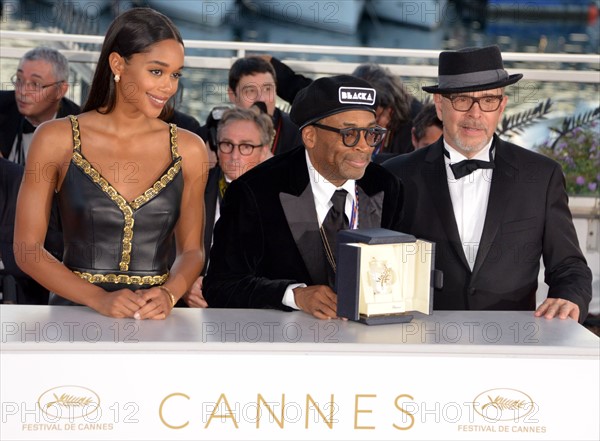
x: 56, y: 126
x: 54, y: 137
x: 190, y: 143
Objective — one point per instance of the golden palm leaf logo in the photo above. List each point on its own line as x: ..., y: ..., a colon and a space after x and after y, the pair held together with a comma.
x: 503, y: 404
x: 69, y: 402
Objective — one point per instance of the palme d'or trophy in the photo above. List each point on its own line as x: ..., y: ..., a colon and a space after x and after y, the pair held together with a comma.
x: 382, y: 276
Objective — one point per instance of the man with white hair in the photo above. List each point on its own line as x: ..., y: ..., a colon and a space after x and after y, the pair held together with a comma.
x: 492, y: 208
x: 41, y: 83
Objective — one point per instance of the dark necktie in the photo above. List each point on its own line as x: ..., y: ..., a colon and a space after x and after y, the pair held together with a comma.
x: 334, y: 221
x: 27, y: 127
x: 468, y: 166
x: 223, y: 184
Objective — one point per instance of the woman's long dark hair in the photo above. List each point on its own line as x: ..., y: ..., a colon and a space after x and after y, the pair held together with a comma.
x: 390, y: 92
x: 132, y: 32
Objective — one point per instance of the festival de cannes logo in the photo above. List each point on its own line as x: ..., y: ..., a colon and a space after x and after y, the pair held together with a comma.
x: 69, y: 402
x: 503, y: 404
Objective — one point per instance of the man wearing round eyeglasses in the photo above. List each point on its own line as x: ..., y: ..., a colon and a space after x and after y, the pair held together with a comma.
x: 241, y: 142
x: 274, y: 245
x: 244, y: 138
x: 492, y: 208
x: 41, y: 82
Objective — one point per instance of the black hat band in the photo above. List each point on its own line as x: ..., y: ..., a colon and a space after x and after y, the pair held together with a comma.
x: 472, y: 79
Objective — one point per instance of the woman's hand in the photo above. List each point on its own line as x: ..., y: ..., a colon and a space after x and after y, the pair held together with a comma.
x: 119, y: 304
x: 157, y: 303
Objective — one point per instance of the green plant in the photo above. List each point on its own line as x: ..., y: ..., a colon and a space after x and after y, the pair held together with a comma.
x: 577, y: 150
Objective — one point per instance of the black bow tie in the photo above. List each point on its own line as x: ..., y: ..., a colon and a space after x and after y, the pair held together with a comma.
x: 27, y: 127
x: 468, y: 166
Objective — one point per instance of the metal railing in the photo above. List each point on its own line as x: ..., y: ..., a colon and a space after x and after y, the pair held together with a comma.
x: 566, y: 78
x: 587, y: 71
x: 207, y: 63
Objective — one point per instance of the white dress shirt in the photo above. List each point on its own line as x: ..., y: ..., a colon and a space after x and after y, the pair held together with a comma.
x: 469, y: 196
x: 26, y: 139
x: 322, y: 191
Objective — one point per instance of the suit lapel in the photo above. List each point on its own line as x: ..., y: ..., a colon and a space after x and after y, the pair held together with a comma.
x: 436, y: 180
x: 299, y: 208
x: 297, y: 202
x: 370, y: 209
x: 301, y: 217
x: 504, y: 173
x: 210, y: 206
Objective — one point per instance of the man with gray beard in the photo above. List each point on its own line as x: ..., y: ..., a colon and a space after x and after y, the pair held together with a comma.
x: 492, y: 208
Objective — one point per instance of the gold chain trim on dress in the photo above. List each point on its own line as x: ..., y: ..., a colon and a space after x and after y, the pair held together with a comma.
x: 157, y: 187
x: 127, y: 211
x: 125, y: 207
x: 174, y: 145
x: 123, y: 278
x: 76, y: 138
x: 166, y: 178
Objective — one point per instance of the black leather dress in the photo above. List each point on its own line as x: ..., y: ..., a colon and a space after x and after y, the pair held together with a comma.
x: 112, y: 242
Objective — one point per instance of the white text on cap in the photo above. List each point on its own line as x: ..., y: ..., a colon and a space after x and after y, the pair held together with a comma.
x: 357, y: 95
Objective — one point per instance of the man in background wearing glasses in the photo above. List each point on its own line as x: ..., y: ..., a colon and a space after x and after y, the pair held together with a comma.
x: 274, y: 245
x: 244, y: 138
x: 41, y: 82
x: 492, y: 208
x: 40, y: 86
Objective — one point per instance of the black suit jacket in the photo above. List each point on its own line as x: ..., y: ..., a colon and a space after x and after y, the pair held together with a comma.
x: 10, y: 181
x: 268, y: 234
x: 527, y: 217
x: 287, y: 134
x: 211, y: 195
x: 184, y: 121
x: 289, y: 83
x: 10, y: 118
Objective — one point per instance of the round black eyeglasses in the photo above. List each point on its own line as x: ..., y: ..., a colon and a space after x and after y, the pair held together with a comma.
x: 351, y: 135
x: 244, y: 148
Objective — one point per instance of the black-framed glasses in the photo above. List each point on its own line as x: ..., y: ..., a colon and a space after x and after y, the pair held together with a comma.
x: 351, y: 135
x: 31, y: 86
x: 244, y: 148
x: 463, y: 103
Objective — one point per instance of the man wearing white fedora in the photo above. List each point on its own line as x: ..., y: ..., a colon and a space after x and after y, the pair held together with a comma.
x: 493, y: 208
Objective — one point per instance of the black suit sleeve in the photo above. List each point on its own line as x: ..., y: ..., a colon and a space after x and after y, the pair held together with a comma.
x: 289, y: 83
x: 566, y: 271
x: 234, y: 278
x: 68, y: 107
x: 393, y: 204
x: 185, y: 121
x: 29, y: 291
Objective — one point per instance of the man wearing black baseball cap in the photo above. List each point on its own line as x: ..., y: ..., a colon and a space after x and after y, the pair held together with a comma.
x: 492, y: 208
x: 274, y: 245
